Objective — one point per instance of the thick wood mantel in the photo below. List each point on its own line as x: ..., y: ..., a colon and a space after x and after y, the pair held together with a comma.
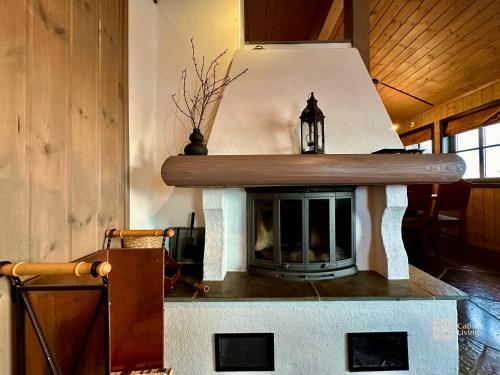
x: 311, y: 170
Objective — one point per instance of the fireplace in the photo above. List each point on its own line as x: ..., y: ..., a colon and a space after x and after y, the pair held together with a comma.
x: 306, y: 233
x: 273, y: 211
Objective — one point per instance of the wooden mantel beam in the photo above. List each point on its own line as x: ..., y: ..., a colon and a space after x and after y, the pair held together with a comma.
x: 357, y: 27
x: 311, y: 170
x: 332, y: 21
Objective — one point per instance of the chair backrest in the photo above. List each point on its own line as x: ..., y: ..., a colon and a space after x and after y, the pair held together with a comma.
x: 419, y: 198
x: 453, y: 197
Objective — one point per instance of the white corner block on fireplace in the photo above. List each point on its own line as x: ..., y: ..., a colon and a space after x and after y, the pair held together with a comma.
x: 379, y: 246
x: 310, y: 337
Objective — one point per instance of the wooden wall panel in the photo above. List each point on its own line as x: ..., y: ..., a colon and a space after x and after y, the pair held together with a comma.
x: 84, y: 157
x: 111, y: 208
x: 48, y: 113
x: 483, y: 218
x: 14, y: 178
x: 63, y: 69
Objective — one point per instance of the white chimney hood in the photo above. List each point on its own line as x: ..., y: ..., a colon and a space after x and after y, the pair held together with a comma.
x: 259, y: 112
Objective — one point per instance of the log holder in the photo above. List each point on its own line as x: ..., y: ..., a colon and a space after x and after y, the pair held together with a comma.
x: 22, y: 305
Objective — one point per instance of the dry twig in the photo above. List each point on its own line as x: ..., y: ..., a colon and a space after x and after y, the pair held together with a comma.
x: 208, y: 88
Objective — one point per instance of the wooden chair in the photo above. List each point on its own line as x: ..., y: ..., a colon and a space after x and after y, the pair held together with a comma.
x: 417, y: 214
x: 451, y: 209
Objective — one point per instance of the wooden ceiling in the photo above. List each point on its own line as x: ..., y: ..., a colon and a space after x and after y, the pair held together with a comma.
x: 284, y: 20
x: 434, y: 49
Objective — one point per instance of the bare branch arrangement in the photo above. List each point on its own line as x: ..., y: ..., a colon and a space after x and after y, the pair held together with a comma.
x: 208, y: 89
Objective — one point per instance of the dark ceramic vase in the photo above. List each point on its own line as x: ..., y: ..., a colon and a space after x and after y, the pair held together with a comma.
x: 196, y: 147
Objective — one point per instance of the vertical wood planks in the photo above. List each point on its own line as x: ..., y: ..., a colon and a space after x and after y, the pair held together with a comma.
x: 111, y: 206
x: 483, y: 218
x: 488, y: 213
x: 49, y: 114
x: 496, y: 194
x: 84, y: 158
x: 14, y: 167
x: 50, y: 121
x: 63, y: 115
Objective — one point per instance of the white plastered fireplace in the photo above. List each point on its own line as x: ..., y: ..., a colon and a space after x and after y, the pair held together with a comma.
x: 259, y: 115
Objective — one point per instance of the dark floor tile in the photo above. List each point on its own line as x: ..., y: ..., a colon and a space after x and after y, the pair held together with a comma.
x: 473, y: 284
x: 469, y: 353
x: 492, y: 307
x: 490, y: 364
x: 481, y: 326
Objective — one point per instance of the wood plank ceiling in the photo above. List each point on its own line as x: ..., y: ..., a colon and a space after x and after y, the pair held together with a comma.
x: 434, y: 49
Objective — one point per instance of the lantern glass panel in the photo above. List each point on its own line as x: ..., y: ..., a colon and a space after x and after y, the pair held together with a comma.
x: 307, y: 137
x: 320, y: 135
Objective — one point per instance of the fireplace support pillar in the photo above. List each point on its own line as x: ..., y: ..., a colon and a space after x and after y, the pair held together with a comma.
x: 387, y: 253
x: 225, y: 232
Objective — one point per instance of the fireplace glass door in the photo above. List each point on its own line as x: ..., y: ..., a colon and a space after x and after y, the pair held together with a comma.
x: 290, y: 225
x: 306, y: 234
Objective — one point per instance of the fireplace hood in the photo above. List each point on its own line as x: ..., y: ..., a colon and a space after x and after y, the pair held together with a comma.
x: 259, y: 112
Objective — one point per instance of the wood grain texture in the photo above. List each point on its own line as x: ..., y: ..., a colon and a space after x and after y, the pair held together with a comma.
x: 332, y: 21
x: 136, y: 295
x: 14, y: 165
x: 483, y: 218
x: 111, y: 187
x: 62, y: 160
x: 64, y: 314
x: 357, y: 27
x: 290, y: 20
x: 310, y: 170
x: 50, y: 164
x: 48, y: 114
x: 84, y: 159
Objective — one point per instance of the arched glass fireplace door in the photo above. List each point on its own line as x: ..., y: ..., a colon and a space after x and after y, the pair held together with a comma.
x: 301, y: 233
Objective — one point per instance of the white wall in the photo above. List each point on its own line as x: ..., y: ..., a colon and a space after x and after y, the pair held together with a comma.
x: 143, y: 78
x: 309, y: 337
x: 159, y: 49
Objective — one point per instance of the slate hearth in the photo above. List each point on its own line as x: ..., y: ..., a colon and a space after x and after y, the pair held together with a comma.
x: 366, y: 285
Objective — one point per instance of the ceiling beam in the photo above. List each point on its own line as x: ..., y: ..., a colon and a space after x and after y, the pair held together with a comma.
x: 332, y: 21
x: 357, y: 27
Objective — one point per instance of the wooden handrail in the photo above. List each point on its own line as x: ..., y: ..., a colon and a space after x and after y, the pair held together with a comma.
x: 139, y: 232
x: 77, y: 269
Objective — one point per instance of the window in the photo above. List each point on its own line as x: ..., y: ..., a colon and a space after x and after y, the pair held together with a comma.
x: 480, y: 149
x: 419, y: 139
x: 426, y: 146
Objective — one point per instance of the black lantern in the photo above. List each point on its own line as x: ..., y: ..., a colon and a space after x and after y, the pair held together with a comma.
x: 312, y: 128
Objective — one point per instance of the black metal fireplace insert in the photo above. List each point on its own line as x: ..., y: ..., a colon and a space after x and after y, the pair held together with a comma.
x: 304, y: 233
